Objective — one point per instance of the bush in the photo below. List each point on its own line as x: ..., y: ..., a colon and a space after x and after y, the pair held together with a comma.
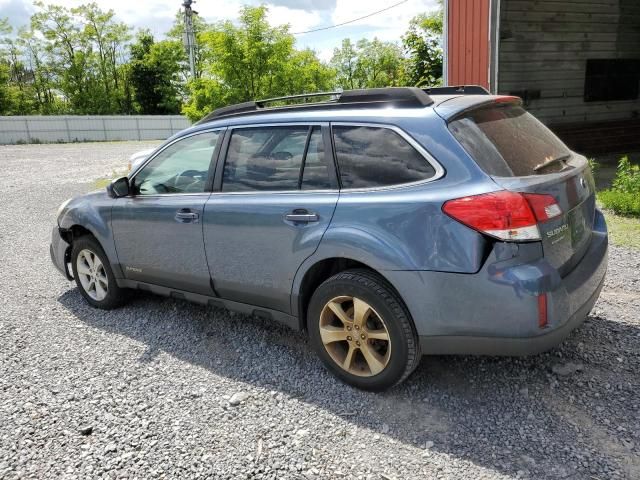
x: 621, y: 203
x: 624, y: 196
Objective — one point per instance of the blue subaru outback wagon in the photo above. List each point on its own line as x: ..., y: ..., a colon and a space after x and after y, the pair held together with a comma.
x: 386, y: 223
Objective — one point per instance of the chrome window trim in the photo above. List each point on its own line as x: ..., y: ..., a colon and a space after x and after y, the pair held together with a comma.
x: 271, y: 192
x: 158, y: 152
x: 279, y: 124
x: 439, y: 169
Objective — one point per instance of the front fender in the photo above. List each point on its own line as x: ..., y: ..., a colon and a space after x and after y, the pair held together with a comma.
x: 93, y: 212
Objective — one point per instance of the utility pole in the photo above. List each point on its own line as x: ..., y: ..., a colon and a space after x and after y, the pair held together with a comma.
x: 189, y: 36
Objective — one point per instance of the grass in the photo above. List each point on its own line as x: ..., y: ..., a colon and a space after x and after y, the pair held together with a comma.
x: 623, y: 231
x: 102, y: 182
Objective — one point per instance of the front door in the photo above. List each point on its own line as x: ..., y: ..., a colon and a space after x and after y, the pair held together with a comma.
x: 272, y: 202
x: 158, y: 229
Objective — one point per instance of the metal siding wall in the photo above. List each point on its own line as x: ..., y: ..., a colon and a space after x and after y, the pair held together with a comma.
x: 71, y: 128
x: 544, y: 47
x: 468, y: 42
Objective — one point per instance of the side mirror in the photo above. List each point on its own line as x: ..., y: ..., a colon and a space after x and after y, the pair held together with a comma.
x: 118, y: 188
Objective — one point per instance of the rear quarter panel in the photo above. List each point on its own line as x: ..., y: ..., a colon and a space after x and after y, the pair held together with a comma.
x: 403, y: 227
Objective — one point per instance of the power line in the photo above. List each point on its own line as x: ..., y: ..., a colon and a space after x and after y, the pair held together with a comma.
x: 351, y: 21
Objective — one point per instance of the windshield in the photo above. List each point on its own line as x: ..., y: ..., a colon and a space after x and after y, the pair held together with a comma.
x: 506, y: 141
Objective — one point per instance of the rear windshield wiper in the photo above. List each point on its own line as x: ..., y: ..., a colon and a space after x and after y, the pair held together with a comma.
x: 561, y: 158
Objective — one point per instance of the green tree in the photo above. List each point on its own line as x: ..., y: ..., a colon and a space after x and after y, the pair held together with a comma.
x: 368, y: 64
x: 107, y: 39
x: 380, y: 63
x: 154, y: 74
x: 84, y: 50
x: 6, y: 97
x: 249, y: 61
x: 423, y: 46
x: 345, y: 63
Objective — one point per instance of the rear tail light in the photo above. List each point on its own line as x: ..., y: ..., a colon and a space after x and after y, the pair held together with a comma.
x: 504, y: 215
x: 544, y: 207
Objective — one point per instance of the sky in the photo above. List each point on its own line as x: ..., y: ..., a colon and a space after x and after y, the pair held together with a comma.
x: 302, y: 15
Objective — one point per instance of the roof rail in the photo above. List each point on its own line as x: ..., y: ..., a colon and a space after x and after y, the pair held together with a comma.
x: 457, y: 90
x: 369, y: 97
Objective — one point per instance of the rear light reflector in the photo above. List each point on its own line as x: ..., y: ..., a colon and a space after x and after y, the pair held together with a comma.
x: 505, y: 215
x: 542, y: 310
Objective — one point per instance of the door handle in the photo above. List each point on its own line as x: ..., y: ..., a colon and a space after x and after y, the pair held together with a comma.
x: 187, y: 216
x: 302, y: 216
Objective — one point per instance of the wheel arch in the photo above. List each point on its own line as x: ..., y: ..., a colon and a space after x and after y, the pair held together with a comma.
x: 91, y: 216
x: 313, y: 273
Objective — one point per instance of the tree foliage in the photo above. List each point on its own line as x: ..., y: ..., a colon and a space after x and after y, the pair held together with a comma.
x: 82, y: 60
x: 423, y: 45
x: 368, y: 64
x: 252, y: 60
x: 154, y: 70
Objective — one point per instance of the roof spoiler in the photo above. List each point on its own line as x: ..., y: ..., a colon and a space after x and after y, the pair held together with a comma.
x: 457, y: 90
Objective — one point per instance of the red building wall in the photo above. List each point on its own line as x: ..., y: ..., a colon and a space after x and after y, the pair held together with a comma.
x: 468, y: 42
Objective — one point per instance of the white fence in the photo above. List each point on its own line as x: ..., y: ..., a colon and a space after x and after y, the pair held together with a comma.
x: 76, y: 128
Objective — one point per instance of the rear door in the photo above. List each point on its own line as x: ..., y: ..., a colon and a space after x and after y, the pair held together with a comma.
x: 274, y: 197
x: 523, y: 155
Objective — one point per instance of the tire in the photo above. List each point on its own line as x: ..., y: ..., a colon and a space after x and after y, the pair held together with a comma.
x: 361, y: 360
x: 98, y: 286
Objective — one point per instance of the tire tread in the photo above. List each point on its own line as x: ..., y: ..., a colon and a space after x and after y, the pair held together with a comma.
x: 387, y: 293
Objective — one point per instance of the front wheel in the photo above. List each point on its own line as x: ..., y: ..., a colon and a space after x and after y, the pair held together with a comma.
x: 93, y: 275
x: 362, y: 331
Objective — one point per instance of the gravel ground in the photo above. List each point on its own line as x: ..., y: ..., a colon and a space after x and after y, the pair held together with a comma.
x: 162, y: 388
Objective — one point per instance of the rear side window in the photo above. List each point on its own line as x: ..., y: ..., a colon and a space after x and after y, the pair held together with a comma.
x: 506, y: 141
x: 377, y: 157
x: 315, y: 175
x: 275, y: 159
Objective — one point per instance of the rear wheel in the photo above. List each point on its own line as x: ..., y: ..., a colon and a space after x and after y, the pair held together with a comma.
x: 93, y: 274
x: 362, y: 331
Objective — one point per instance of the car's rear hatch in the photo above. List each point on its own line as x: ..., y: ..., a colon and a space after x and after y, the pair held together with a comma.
x: 522, y: 155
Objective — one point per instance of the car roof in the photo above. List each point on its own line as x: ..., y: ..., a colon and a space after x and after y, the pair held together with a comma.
x: 364, y: 115
x: 385, y: 105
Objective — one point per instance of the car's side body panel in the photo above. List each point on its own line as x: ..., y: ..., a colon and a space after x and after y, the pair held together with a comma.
x: 253, y: 251
x: 155, y: 246
x: 93, y: 212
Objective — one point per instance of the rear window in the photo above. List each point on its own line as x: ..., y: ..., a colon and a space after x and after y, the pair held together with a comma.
x: 506, y: 141
x: 377, y: 157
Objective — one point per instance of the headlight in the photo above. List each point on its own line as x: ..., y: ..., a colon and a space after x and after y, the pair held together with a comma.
x: 61, y: 207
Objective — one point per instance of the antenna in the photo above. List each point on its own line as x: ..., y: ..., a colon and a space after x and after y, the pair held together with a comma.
x: 189, y: 37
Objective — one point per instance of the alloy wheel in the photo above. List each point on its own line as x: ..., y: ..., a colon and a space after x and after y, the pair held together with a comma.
x: 92, y: 275
x: 355, y: 336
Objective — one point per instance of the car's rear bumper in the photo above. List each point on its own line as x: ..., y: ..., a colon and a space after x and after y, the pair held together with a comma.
x: 495, y: 311
x: 59, y: 250
x: 518, y: 346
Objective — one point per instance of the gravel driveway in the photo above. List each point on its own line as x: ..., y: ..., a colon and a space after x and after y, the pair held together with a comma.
x: 163, y: 388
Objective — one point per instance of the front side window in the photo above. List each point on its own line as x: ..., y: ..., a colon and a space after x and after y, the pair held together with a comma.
x: 182, y: 167
x: 377, y: 157
x: 273, y: 159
